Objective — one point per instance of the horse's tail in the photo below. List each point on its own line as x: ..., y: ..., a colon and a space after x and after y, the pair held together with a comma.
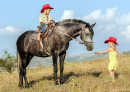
x: 18, y: 60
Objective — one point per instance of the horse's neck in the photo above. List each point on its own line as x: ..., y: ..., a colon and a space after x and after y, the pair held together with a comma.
x: 73, y: 33
x: 66, y: 33
x: 71, y: 30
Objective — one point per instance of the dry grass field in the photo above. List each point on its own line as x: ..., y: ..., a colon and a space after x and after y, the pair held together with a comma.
x: 90, y: 76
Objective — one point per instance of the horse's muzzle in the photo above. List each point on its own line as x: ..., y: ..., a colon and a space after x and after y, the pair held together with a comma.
x: 89, y: 45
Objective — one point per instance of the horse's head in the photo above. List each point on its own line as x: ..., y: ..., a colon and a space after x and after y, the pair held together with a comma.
x: 87, y: 36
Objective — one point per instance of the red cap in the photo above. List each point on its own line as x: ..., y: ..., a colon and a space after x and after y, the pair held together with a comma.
x: 111, y: 39
x: 46, y: 6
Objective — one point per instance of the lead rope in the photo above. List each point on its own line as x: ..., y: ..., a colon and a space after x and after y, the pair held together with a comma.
x: 70, y: 36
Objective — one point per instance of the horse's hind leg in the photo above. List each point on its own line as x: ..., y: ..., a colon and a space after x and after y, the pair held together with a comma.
x: 22, y: 71
x: 22, y: 63
x: 20, y: 68
x: 25, y: 78
x: 23, y: 75
x: 20, y: 76
x: 27, y: 60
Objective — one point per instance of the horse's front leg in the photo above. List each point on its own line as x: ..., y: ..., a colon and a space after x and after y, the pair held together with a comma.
x: 55, y: 68
x: 62, y: 58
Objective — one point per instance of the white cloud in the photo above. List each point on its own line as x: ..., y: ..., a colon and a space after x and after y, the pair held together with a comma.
x: 9, y: 30
x: 98, y: 16
x: 68, y: 14
x: 92, y: 16
x: 108, y: 23
x: 127, y: 32
x: 124, y: 19
x: 110, y: 13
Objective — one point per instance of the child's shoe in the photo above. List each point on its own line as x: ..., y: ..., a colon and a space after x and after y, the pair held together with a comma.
x: 113, y: 80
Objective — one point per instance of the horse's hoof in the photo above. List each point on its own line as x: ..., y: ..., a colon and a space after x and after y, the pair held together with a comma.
x: 61, y: 82
x: 20, y: 86
x: 56, y: 83
x: 27, y: 86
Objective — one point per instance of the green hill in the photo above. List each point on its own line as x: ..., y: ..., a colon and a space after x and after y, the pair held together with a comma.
x: 77, y: 58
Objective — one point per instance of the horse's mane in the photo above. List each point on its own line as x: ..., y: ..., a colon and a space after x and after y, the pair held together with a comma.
x: 63, y: 22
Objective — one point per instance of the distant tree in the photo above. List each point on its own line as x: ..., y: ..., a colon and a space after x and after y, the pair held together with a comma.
x: 125, y: 53
x: 7, y: 61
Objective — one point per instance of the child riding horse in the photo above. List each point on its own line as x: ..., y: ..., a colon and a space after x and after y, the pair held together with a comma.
x: 44, y: 20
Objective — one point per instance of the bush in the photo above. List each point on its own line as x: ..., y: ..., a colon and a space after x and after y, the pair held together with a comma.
x: 7, y: 61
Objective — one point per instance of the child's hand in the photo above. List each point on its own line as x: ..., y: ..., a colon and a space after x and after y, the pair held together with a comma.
x: 48, y: 22
x: 96, y: 53
x: 52, y: 21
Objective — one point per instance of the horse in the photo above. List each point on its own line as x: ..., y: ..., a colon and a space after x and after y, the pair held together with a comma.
x: 58, y: 42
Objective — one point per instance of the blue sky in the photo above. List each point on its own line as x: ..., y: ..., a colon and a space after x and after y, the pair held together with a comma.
x: 112, y: 18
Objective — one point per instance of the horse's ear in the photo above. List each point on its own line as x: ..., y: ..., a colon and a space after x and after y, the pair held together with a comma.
x: 93, y: 25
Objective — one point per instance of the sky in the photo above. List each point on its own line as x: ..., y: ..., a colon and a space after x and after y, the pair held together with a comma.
x: 112, y: 18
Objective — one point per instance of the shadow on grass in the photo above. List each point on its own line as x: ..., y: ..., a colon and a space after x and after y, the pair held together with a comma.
x: 42, y: 79
x: 116, y: 75
x: 66, y: 77
x: 94, y: 74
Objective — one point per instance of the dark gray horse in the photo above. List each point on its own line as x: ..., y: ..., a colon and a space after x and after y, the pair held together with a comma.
x: 58, y: 43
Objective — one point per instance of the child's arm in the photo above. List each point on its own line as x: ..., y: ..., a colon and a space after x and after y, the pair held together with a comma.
x: 103, y: 52
x: 116, y: 53
x: 41, y: 20
x: 46, y: 22
x: 51, y: 21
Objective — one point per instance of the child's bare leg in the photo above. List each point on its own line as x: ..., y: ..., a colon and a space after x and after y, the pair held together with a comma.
x: 111, y: 73
x: 38, y: 37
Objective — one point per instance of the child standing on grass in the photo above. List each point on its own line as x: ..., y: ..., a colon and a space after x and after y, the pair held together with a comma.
x: 112, y: 56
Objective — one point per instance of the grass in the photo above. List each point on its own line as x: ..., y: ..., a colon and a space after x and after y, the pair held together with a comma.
x: 90, y: 76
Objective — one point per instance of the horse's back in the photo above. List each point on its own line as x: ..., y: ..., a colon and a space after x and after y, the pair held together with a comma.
x: 25, y: 38
x: 26, y: 34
